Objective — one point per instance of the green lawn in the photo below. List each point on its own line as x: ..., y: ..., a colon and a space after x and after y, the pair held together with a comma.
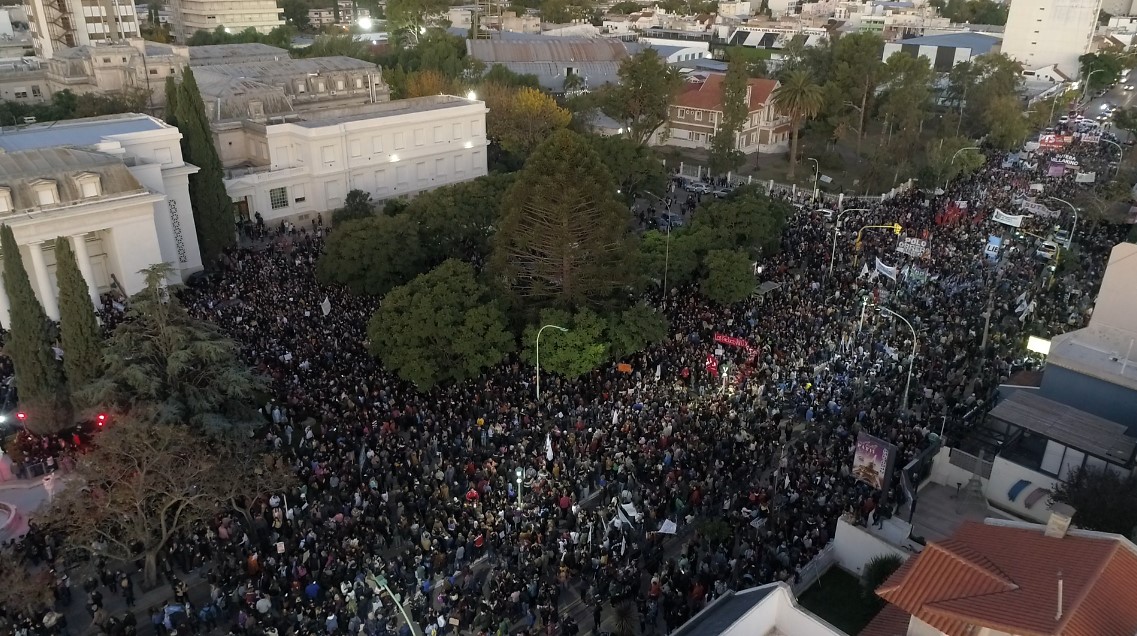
x: 837, y: 598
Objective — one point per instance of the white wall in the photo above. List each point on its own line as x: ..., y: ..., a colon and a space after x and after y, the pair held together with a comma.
x: 135, y: 248
x: 1043, y: 32
x: 778, y: 612
x: 855, y: 547
x: 1005, y: 474
x: 388, y: 157
x: 947, y: 474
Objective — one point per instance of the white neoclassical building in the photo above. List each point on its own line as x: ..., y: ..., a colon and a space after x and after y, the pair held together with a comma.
x: 115, y: 187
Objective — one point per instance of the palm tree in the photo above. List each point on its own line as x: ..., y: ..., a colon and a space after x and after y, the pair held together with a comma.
x: 800, y: 98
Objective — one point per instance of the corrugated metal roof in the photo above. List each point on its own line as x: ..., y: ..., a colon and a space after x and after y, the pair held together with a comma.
x: 977, y: 42
x: 77, y: 132
x: 1061, y: 423
x: 560, y: 49
x: 19, y: 171
x: 551, y: 75
x: 1006, y: 579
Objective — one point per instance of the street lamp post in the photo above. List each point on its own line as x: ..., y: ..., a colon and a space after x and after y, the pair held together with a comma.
x: 836, y: 230
x: 1086, y: 88
x: 381, y: 583
x: 562, y: 329
x: 911, y: 360
x: 1073, y: 209
x: 953, y: 157
x: 816, y: 172
x: 666, y: 244
x: 895, y: 227
x: 1120, y: 155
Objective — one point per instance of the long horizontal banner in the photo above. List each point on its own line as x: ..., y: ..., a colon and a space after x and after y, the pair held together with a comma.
x: 741, y: 343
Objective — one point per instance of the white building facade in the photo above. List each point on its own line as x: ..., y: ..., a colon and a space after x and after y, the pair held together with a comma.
x: 399, y: 148
x: 1044, y: 32
x: 116, y: 187
x: 190, y: 16
x: 61, y: 24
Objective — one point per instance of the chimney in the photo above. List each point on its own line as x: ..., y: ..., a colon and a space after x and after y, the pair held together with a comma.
x: 1058, y: 615
x: 1059, y: 523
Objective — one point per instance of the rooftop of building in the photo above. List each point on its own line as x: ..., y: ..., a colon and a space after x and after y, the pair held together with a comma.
x: 705, y: 92
x: 22, y: 171
x: 1066, y: 424
x: 979, y: 43
x: 76, y: 132
x: 268, y: 71
x: 548, y: 49
x: 1004, y: 576
x: 768, y: 610
x: 379, y: 110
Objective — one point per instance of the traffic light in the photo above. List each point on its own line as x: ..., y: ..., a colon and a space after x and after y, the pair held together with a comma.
x: 101, y: 419
x: 22, y: 416
x: 896, y: 228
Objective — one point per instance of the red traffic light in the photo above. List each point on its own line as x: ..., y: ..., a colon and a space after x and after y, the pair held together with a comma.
x: 20, y: 415
x: 101, y: 418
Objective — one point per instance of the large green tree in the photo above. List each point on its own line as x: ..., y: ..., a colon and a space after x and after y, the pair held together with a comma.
x: 799, y: 98
x: 635, y: 328
x: 729, y: 278
x: 40, y: 382
x: 441, y: 326
x: 643, y: 96
x: 78, y: 327
x: 212, y: 207
x: 949, y: 158
x: 1102, y: 68
x: 373, y: 255
x: 458, y: 221
x: 636, y: 168
x: 1007, y: 126
x: 564, y: 238
x: 748, y: 220
x: 571, y: 353
x: 907, y: 94
x: 1104, y: 500
x: 673, y: 256
x: 164, y: 366
x: 857, y: 74
x: 725, y: 155
x: 356, y: 205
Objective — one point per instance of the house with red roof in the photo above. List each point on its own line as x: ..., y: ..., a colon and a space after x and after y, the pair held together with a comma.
x: 1001, y: 578
x: 697, y: 111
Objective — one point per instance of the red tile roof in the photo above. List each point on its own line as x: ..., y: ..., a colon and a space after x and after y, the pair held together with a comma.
x: 1006, y: 579
x: 890, y: 621
x: 707, y: 95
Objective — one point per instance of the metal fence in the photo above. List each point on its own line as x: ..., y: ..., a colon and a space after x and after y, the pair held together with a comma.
x: 695, y: 171
x: 971, y: 463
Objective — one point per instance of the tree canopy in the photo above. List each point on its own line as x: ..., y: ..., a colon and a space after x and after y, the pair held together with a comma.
x: 643, y: 96
x: 728, y: 277
x: 799, y: 98
x: 166, y: 367
x: 636, y: 168
x: 564, y: 238
x: 458, y: 221
x: 521, y: 118
x: 748, y: 220
x: 356, y: 205
x: 725, y: 155
x: 372, y: 255
x: 1104, y: 500
x: 78, y: 327
x: 441, y: 326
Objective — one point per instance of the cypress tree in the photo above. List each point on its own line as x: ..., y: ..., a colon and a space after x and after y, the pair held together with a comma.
x: 171, y: 101
x: 40, y: 383
x: 212, y: 207
x: 78, y: 329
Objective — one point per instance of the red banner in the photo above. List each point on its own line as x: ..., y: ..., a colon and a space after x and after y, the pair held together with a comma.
x: 1054, y: 142
x: 712, y: 365
x: 732, y: 341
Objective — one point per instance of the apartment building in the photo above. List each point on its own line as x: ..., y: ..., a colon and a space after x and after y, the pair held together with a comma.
x: 1051, y: 32
x: 349, y: 13
x: 190, y: 16
x: 62, y: 24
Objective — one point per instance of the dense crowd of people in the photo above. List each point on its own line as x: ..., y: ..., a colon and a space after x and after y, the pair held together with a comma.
x: 488, y: 512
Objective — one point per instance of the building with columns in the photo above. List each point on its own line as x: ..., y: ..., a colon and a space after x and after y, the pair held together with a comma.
x: 116, y: 187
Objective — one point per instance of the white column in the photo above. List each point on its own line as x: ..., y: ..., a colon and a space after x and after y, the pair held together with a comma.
x: 79, y: 245
x: 46, y: 293
x: 5, y: 306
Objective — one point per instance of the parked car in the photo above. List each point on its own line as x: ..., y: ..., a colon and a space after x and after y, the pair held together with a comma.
x: 1047, y: 250
x: 724, y: 192
x: 1062, y: 237
x: 1064, y: 119
x: 669, y: 220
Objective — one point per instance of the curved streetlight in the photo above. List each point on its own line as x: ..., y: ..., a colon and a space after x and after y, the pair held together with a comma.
x: 908, y: 383
x: 952, y: 163
x: 1086, y: 88
x: 1120, y: 155
x: 562, y: 329
x: 1075, y: 211
x: 816, y: 172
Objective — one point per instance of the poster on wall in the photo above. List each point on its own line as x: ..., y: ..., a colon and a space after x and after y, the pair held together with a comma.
x: 873, y: 461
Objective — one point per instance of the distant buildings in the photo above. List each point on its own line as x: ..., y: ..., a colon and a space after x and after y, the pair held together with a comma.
x: 1044, y: 32
x: 348, y: 13
x: 115, y: 187
x: 190, y: 16
x: 945, y: 51
x: 697, y: 112
x: 595, y: 61
x: 61, y: 24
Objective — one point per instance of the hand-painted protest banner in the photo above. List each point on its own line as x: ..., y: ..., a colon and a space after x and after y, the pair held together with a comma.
x: 994, y: 245
x: 1085, y: 177
x: 1013, y: 220
x: 1054, y: 142
x: 886, y: 270
x: 1037, y: 209
x: 912, y: 246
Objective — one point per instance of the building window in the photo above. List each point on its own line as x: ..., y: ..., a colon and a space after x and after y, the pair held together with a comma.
x: 278, y: 198
x: 106, y: 60
x: 320, y: 87
x: 21, y: 93
x: 5, y: 200
x: 359, y: 82
x: 153, y: 71
x: 301, y: 87
x: 339, y: 85
x: 89, y: 185
x: 45, y: 192
x: 36, y: 92
x: 698, y: 115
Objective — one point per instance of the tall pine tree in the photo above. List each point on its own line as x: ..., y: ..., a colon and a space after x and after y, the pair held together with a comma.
x: 78, y: 329
x: 212, y: 207
x: 40, y: 384
x: 171, y: 101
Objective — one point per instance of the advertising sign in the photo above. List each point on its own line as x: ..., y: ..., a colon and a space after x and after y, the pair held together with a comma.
x: 873, y: 461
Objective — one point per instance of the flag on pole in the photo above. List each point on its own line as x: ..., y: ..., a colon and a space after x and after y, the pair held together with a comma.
x: 712, y: 365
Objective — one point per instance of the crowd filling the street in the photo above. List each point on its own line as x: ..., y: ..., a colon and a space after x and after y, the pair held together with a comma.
x: 721, y: 461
